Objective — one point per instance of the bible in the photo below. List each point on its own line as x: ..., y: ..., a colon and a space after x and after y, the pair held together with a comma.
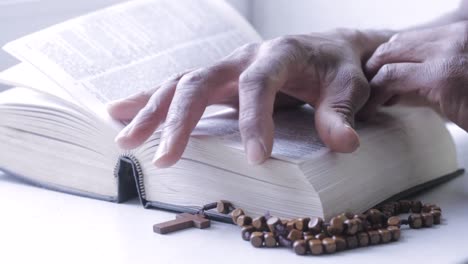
x: 55, y: 132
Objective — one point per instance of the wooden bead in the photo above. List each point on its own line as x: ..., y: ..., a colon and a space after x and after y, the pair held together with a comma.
x: 427, y: 219
x: 374, y: 216
x: 415, y: 221
x: 351, y: 226
x: 290, y: 225
x: 223, y: 207
x: 349, y: 215
x: 302, y: 224
x: 309, y: 237
x: 236, y: 213
x: 352, y: 242
x: 336, y: 226
x: 374, y: 237
x: 395, y: 231
x: 359, y: 224
x: 244, y: 220
x: 405, y: 206
x: 363, y: 239
x: 385, y: 235
x: 270, y: 240
x: 256, y: 239
x: 393, y: 221
x: 315, y: 247
x: 416, y: 207
x: 436, y: 208
x: 329, y: 245
x: 362, y: 217
x: 300, y: 247
x: 321, y: 236
x: 259, y: 223
x: 340, y: 243
x: 437, y: 215
x: 294, y: 235
x: 315, y: 225
x: 272, y: 223
x: 246, y: 231
x: 427, y: 208
x: 397, y: 207
x: 283, y: 241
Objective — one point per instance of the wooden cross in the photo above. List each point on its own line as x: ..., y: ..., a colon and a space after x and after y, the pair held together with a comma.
x: 182, y: 221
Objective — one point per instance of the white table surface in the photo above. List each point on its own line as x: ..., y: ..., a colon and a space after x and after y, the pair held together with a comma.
x: 42, y: 226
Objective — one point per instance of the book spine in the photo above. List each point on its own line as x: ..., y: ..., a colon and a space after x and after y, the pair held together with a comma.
x: 130, y: 178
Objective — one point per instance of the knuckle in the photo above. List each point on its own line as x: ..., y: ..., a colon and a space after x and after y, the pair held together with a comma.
x: 285, y: 42
x: 455, y: 66
x: 388, y: 73
x: 382, y: 52
x: 252, y: 79
x: 194, y: 77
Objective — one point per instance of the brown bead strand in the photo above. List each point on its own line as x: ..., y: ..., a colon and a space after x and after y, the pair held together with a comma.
x: 314, y: 236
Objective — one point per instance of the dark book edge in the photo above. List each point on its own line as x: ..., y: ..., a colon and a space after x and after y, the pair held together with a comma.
x: 63, y: 189
x: 132, y: 162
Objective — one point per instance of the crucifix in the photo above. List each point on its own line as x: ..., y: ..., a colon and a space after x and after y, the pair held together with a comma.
x: 182, y: 221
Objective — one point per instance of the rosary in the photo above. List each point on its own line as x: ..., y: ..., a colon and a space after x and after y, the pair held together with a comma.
x: 312, y: 235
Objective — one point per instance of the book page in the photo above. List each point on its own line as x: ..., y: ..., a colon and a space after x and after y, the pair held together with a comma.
x: 296, y: 139
x: 134, y: 46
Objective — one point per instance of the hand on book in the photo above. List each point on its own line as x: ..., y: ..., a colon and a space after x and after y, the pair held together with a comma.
x: 431, y: 64
x: 323, y: 70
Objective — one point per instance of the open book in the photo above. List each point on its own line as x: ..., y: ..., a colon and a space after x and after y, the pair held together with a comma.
x: 54, y: 129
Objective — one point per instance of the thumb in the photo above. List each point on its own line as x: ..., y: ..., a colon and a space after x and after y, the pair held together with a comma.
x: 334, y: 116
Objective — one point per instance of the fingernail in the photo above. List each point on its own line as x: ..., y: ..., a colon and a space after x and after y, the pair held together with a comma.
x: 356, y: 142
x: 255, y: 152
x: 162, y: 151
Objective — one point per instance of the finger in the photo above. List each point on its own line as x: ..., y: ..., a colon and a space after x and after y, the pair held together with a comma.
x: 148, y: 118
x: 339, y: 101
x: 127, y: 108
x: 393, y: 80
x: 396, y: 51
x: 258, y: 86
x: 193, y: 94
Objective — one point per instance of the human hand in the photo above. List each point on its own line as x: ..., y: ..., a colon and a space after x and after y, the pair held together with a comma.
x: 323, y: 70
x: 431, y: 64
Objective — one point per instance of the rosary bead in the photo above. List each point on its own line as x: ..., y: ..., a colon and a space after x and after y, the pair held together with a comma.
x: 352, y: 242
x: 427, y: 208
x: 427, y: 219
x: 270, y: 240
x: 256, y: 239
x: 374, y: 216
x: 272, y: 223
x: 244, y: 220
x: 308, y: 237
x: 405, y: 206
x: 294, y: 235
x: 359, y: 224
x: 416, y: 207
x: 290, y: 225
x: 349, y: 215
x: 336, y: 226
x: 259, y: 223
x: 395, y: 231
x: 436, y: 214
x: 315, y: 225
x: 385, y: 235
x: 397, y: 208
x: 394, y: 221
x: 415, y: 221
x: 302, y: 224
x: 340, y: 243
x: 223, y: 207
x: 285, y: 222
x: 300, y: 247
x: 321, y: 236
x: 363, y: 239
x: 246, y: 232
x: 351, y: 226
x: 329, y: 245
x: 436, y: 208
x: 362, y: 217
x: 285, y: 242
x: 316, y: 247
x: 374, y: 237
x: 236, y: 213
